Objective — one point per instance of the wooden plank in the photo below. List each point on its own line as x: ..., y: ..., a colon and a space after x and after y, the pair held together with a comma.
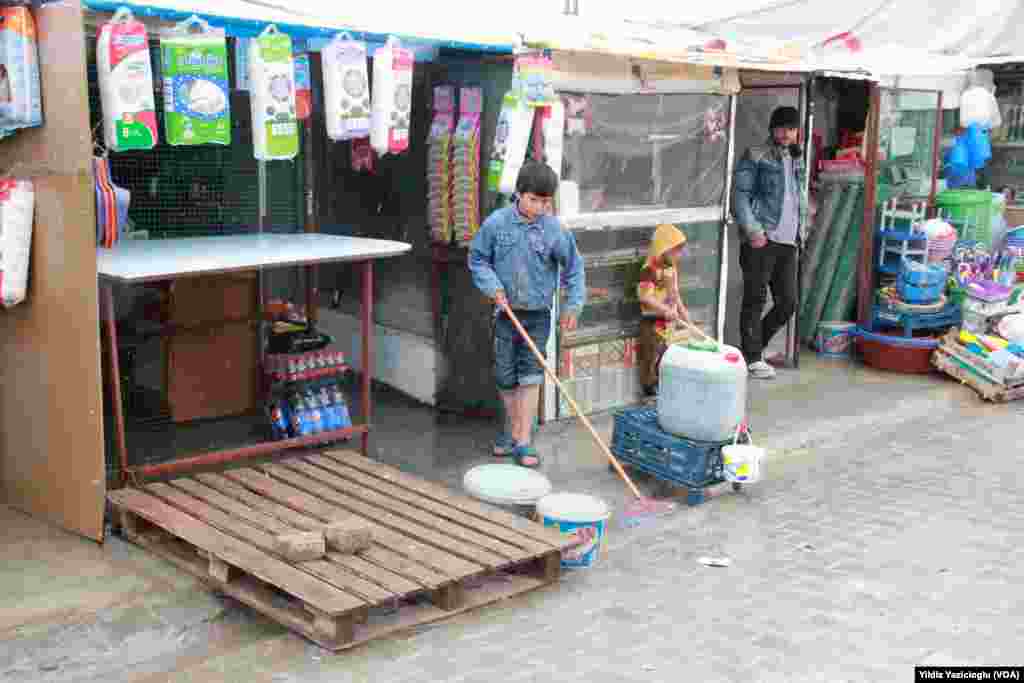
x: 269, y: 569
x: 337, y: 575
x: 354, y: 565
x: 300, y: 501
x: 415, y: 515
x: 262, y: 520
x: 443, y: 495
x: 407, y: 567
x: 510, y: 536
x: 383, y: 518
x: 449, y: 565
x: 222, y: 484
x: 240, y: 529
x: 494, y: 589
x: 251, y: 592
x: 393, y: 563
x: 384, y: 578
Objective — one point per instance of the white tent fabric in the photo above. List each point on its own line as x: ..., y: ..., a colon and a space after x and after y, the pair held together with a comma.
x: 462, y: 23
x: 981, y: 29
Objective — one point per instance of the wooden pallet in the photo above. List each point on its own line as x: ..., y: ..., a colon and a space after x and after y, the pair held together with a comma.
x: 967, y: 374
x: 435, y: 553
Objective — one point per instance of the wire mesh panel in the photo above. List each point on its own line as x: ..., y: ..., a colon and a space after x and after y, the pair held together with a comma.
x: 202, y: 190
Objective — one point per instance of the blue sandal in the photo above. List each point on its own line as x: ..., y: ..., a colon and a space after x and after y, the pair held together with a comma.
x: 527, y: 456
x: 504, y: 446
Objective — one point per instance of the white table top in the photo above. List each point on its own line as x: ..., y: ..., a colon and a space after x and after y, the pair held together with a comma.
x: 153, y: 260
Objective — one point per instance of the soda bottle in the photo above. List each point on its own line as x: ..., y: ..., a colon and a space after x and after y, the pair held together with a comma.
x: 344, y: 419
x: 297, y: 416
x: 314, y: 414
x: 330, y: 414
x: 278, y: 421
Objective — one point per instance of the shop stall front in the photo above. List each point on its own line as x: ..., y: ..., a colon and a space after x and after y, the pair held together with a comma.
x: 208, y: 278
x: 645, y: 143
x: 635, y: 143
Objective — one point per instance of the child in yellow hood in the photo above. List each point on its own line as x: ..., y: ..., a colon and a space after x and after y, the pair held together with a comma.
x: 660, y: 304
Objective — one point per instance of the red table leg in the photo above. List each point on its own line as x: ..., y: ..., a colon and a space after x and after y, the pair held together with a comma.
x: 367, y: 316
x: 114, y: 369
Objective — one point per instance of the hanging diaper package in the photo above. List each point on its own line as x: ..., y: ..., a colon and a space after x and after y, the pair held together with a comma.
x: 21, y: 100
x: 535, y: 71
x: 511, y: 139
x: 439, y: 165
x: 17, y: 203
x: 275, y: 130
x: 466, y: 165
x: 346, y: 89
x: 197, y: 110
x: 303, y: 88
x: 126, y: 84
x: 553, y: 129
x: 392, y: 98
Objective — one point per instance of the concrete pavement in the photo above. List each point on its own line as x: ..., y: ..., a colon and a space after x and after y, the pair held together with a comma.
x: 887, y: 534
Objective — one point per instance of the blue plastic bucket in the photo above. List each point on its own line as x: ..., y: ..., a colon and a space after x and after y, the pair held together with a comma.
x: 581, y: 517
x: 834, y: 339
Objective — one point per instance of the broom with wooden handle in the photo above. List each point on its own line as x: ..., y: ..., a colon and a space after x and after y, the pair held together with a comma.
x: 642, y: 506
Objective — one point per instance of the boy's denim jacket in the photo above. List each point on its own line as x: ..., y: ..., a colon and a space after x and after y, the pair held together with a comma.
x: 523, y: 259
x: 760, y: 189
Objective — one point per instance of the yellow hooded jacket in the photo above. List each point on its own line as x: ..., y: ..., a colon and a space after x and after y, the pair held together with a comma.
x: 659, y: 278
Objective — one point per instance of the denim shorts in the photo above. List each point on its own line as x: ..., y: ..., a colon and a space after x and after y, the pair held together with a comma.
x: 514, y: 363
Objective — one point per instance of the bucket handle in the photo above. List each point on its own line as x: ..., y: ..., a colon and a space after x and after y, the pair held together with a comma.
x: 742, y: 427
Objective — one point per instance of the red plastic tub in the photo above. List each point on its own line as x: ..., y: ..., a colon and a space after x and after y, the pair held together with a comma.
x: 896, y: 353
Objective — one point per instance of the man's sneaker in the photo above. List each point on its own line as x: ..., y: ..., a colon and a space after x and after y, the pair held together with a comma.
x: 761, y: 370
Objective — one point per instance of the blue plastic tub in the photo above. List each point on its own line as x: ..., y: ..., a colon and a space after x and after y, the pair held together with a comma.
x: 919, y: 294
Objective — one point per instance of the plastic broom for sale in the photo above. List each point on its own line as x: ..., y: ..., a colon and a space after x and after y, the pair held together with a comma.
x: 641, y: 506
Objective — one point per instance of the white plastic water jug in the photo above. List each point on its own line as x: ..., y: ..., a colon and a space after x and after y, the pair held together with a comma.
x: 702, y: 395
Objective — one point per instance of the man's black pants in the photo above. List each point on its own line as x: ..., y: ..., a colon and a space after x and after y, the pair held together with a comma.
x: 775, y: 266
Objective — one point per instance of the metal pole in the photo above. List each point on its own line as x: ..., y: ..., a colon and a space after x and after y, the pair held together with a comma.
x: 809, y: 127
x: 865, y: 279
x: 309, y: 178
x: 936, y: 154
x: 367, y: 316
x: 723, y: 270
x: 114, y: 368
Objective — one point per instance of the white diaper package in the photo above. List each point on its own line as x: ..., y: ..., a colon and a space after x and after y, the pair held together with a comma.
x: 275, y: 127
x: 391, y: 107
x: 17, y: 204
x: 346, y: 89
x: 125, y: 77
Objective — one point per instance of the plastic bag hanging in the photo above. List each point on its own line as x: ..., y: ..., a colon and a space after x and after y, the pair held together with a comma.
x: 197, y: 108
x: 466, y: 165
x: 392, y: 98
x: 439, y: 165
x: 125, y: 77
x: 346, y: 89
x: 275, y: 128
x: 303, y: 87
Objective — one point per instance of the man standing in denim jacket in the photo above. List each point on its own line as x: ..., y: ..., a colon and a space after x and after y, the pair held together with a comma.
x: 768, y: 205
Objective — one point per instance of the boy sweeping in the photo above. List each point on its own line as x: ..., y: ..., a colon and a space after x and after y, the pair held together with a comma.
x: 515, y: 259
x: 660, y: 304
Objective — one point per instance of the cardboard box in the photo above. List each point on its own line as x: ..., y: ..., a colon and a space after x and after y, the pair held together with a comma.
x: 207, y: 300
x: 213, y: 372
